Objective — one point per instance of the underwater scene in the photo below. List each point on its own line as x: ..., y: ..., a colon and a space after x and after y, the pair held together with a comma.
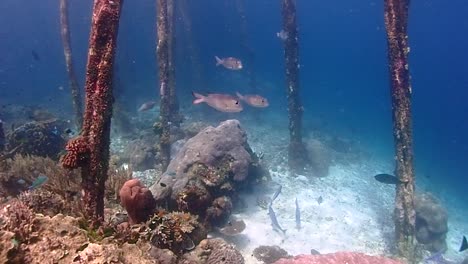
x: 233, y: 131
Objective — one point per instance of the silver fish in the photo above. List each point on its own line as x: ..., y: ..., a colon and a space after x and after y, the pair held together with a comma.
x: 230, y: 63
x: 274, y: 221
x: 278, y: 191
x: 298, y: 216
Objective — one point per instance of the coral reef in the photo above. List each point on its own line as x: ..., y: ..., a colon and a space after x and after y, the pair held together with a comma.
x: 177, y: 231
x: 141, y: 153
x: 213, y: 251
x: 431, y: 222
x: 269, y: 254
x: 38, y: 138
x: 213, y: 164
x: 233, y: 227
x: 49, y: 203
x: 18, y: 218
x: 59, y: 239
x: 117, y: 178
x: 338, y: 258
x: 137, y: 200
x: 21, y: 171
x: 319, y: 157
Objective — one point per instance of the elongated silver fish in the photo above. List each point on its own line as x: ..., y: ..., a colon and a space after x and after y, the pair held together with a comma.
x: 274, y: 221
x: 277, y: 193
x: 298, y: 216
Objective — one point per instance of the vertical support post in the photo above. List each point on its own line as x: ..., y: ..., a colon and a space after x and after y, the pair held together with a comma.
x: 240, y: 4
x: 396, y: 20
x: 175, y: 117
x: 297, y: 152
x: 74, y: 87
x: 90, y: 150
x: 162, y: 52
x: 2, y: 137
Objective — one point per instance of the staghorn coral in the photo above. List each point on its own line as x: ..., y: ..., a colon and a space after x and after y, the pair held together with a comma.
x: 117, y: 178
x: 177, y: 231
x: 28, y: 168
x: 137, y: 200
x: 17, y: 218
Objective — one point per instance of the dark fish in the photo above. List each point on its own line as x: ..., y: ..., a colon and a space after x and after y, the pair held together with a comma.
x: 275, y: 195
x: 320, y: 200
x: 68, y: 131
x: 298, y: 216
x: 274, y: 221
x: 388, y: 179
x: 35, y: 55
x: 314, y: 252
x: 229, y: 63
x: 464, y: 245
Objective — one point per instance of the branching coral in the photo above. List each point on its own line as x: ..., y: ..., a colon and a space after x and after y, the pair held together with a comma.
x: 16, y: 217
x: 117, y: 178
x: 28, y: 168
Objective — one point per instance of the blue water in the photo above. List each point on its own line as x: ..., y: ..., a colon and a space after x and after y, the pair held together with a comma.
x: 344, y: 73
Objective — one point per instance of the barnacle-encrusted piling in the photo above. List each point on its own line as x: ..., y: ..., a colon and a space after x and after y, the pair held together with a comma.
x: 74, y: 87
x: 90, y: 150
x: 193, y: 53
x: 297, y: 151
x: 396, y: 18
x: 2, y: 137
x: 163, y: 56
x: 250, y: 55
x: 174, y: 104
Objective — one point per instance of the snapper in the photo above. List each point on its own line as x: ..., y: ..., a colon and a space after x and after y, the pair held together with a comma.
x: 221, y: 102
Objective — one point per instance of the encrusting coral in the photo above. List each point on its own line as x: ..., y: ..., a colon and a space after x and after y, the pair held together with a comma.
x: 431, y: 222
x: 177, y: 231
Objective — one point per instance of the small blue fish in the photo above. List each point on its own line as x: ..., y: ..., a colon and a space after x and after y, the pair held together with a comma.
x: 38, y: 182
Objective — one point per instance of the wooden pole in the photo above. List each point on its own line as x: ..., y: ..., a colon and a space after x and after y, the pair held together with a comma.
x: 250, y: 65
x: 297, y: 152
x: 175, y: 117
x: 162, y: 52
x: 74, y: 87
x: 90, y: 150
x: 396, y: 20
